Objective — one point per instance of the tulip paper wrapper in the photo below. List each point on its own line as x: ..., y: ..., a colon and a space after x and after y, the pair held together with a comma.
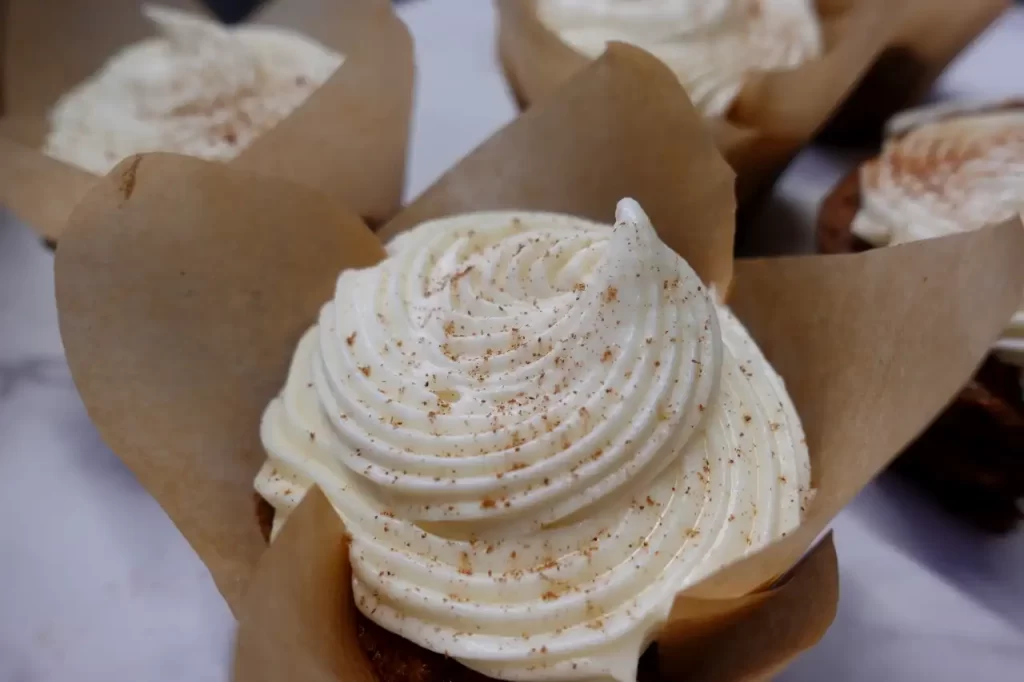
x: 777, y: 113
x: 348, y: 140
x: 183, y: 287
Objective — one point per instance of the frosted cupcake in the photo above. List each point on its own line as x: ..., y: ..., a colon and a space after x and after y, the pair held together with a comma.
x: 198, y: 89
x: 538, y: 430
x: 944, y: 170
x: 711, y: 45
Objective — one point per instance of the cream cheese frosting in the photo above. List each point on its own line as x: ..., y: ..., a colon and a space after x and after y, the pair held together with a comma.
x: 946, y: 170
x: 711, y: 45
x: 198, y: 89
x: 538, y: 430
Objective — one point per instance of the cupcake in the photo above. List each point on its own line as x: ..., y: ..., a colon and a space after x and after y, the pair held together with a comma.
x: 765, y: 75
x: 198, y: 88
x: 537, y: 430
x: 944, y: 170
x: 712, y: 47
x: 85, y: 87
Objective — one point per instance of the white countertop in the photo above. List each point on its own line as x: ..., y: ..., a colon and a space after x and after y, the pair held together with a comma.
x: 96, y: 584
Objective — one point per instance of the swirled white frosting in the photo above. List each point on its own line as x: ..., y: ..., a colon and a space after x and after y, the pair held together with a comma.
x: 711, y: 45
x: 198, y: 89
x: 943, y: 171
x: 538, y: 430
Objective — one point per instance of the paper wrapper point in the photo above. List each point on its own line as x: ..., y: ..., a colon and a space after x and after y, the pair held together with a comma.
x: 180, y: 304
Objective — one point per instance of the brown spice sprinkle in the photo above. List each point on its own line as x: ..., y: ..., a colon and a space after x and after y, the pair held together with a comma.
x: 365, y: 369
x: 351, y: 339
x: 459, y: 275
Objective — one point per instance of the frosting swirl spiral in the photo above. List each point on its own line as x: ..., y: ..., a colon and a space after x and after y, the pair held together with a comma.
x: 538, y: 430
x: 946, y: 170
x: 711, y: 45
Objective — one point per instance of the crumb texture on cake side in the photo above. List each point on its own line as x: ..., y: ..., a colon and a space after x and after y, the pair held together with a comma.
x: 945, y: 169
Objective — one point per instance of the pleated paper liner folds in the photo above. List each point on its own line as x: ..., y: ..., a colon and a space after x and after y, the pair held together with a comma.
x: 894, y: 50
x: 181, y: 304
x: 348, y: 140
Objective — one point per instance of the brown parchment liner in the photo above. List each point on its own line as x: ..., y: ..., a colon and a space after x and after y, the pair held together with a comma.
x: 777, y: 113
x: 178, y: 331
x: 348, y: 140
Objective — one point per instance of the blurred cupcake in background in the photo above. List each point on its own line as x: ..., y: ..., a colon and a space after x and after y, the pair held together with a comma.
x: 943, y: 170
x: 711, y: 45
x: 197, y: 88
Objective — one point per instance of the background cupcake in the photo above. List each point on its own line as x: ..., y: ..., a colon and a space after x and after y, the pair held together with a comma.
x: 943, y: 170
x: 197, y: 88
x: 768, y: 74
x: 712, y: 47
x: 274, y: 95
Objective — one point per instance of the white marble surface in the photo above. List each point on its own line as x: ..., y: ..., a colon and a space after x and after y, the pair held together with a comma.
x: 96, y: 584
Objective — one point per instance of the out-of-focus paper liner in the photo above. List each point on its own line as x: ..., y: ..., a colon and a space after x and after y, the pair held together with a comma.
x: 931, y: 36
x: 937, y: 31
x: 183, y: 287
x: 776, y: 113
x: 297, y: 619
x: 348, y: 140
x: 38, y: 189
x: 183, y: 292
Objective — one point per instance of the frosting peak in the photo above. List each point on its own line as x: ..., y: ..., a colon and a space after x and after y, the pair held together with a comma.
x: 538, y: 430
